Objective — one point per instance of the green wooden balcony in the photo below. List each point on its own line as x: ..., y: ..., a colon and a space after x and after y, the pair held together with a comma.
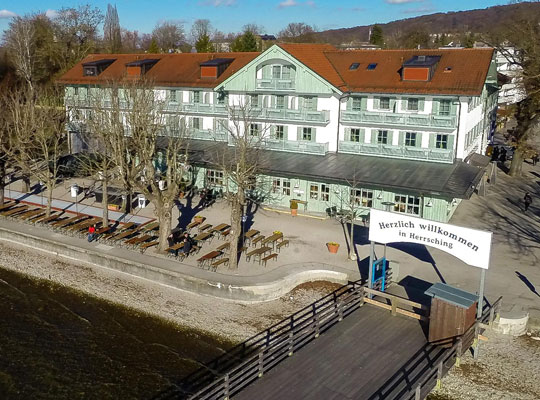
x: 275, y: 84
x: 196, y: 108
x: 420, y: 120
x: 276, y: 114
x: 208, y: 134
x: 296, y: 146
x: 383, y: 150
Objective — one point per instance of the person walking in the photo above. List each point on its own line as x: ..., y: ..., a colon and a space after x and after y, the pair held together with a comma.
x: 534, y: 159
x: 527, y: 199
x: 91, y: 232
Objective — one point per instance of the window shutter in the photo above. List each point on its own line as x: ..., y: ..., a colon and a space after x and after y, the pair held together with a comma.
x: 401, y: 141
x: 376, y: 103
x: 285, y: 130
x: 349, y: 104
x: 314, y: 104
x: 266, y: 74
x: 300, y: 103
x: 299, y: 133
x: 453, y: 108
x: 450, y: 142
x: 421, y: 104
x: 313, y: 134
x: 273, y: 132
x: 374, y: 136
x: 363, y: 103
x: 393, y: 106
x: 191, y: 97
x: 286, y: 102
x: 347, y: 135
x: 273, y: 102
x: 432, y: 137
x: 435, y: 107
x: 362, y: 138
x: 265, y: 101
x: 404, y: 104
x: 418, y: 139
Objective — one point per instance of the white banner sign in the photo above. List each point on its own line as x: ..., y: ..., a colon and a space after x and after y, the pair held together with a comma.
x: 469, y: 245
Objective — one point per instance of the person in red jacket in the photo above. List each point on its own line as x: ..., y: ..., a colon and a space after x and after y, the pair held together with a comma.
x: 91, y: 232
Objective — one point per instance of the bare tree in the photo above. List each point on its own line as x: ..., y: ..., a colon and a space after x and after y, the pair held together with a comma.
x: 35, y: 135
x: 168, y: 35
x: 21, y: 41
x: 3, y: 147
x: 111, y: 30
x: 298, y: 32
x: 200, y: 28
x: 519, y: 43
x: 240, y: 164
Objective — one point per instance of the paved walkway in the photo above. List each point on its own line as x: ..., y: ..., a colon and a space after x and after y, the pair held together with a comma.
x: 72, y: 207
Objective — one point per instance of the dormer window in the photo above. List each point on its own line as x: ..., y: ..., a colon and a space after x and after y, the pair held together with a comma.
x: 354, y: 66
x: 94, y: 68
x: 214, y: 68
x: 140, y: 67
x: 419, y: 68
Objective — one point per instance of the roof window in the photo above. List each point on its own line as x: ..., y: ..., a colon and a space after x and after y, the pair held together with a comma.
x: 94, y: 68
x: 448, y: 69
x: 371, y: 66
x: 354, y: 66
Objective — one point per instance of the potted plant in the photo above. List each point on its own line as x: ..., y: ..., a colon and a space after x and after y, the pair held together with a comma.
x: 332, y: 247
x: 198, y: 218
x: 294, y: 208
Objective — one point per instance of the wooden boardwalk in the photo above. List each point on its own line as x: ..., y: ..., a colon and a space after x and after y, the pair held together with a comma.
x: 369, y: 355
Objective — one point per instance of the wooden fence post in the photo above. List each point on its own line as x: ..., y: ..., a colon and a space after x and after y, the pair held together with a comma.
x: 439, y: 375
x: 261, y: 364
x: 291, y: 342
x: 393, y: 301
x: 226, y: 386
x: 316, y: 325
x: 459, y: 351
x: 475, y: 342
x: 340, y: 310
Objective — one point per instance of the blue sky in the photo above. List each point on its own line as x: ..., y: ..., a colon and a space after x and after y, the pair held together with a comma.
x: 231, y: 15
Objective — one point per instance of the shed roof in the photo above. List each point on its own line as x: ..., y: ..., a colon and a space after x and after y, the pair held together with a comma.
x: 452, y: 295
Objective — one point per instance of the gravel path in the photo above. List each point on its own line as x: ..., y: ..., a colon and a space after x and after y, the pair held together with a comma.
x: 507, y: 369
x: 218, y: 317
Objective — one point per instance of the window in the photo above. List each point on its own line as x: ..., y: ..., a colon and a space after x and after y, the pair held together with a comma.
x: 281, y: 186
x: 286, y: 72
x: 371, y: 66
x: 410, y: 139
x: 254, y: 129
x: 196, y: 96
x: 384, y: 103
x: 75, y: 91
x: 354, y: 66
x: 276, y: 71
x: 310, y: 103
x: 362, y: 197
x: 280, y: 102
x: 441, y: 142
x: 407, y: 204
x: 314, y: 191
x: 254, y: 100
x: 280, y: 132
x: 355, y: 135
x: 444, y: 107
x: 382, y: 137
x: 325, y: 192
x: 214, y: 177
x: 196, y: 123
x: 172, y: 96
x: 356, y: 103
x: 412, y: 104
x: 307, y: 134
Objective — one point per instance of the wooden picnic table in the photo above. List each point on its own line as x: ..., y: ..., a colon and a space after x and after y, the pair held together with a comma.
x: 147, y: 245
x: 220, y: 228
x: 174, y: 248
x: 138, y: 239
x: 28, y: 211
x: 193, y: 224
x: 33, y: 214
x: 14, y: 210
x: 45, y: 220
x: 85, y: 224
x: 258, y: 253
x: 272, y: 239
x: 204, y: 227
x: 7, y: 205
x: 103, y: 230
x: 150, y: 227
x: 124, y: 234
x: 208, y: 257
x: 251, y: 233
x: 67, y: 221
x: 203, y: 236
x: 127, y: 226
x: 224, y: 246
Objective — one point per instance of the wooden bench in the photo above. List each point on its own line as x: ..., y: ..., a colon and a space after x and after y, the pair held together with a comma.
x: 147, y: 245
x: 193, y: 250
x: 204, y: 227
x: 272, y: 256
x: 224, y: 246
x: 224, y: 233
x: 257, y: 240
x: 284, y: 243
x: 224, y: 260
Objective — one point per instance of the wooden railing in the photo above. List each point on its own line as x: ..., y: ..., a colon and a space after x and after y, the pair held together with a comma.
x: 256, y: 356
x: 395, y: 304
x: 433, y: 376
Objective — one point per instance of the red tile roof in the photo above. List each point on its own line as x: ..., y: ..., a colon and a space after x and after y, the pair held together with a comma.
x: 466, y: 69
x: 177, y: 70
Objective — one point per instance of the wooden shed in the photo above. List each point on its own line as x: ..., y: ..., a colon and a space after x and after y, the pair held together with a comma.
x: 452, y: 313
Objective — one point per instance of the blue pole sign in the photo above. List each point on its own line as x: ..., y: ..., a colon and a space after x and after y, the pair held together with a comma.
x: 379, y: 272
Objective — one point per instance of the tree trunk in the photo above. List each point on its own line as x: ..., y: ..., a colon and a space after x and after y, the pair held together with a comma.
x: 126, y: 204
x: 164, y: 217
x: 352, y: 249
x: 105, y: 201
x: 2, y: 181
x: 236, y: 227
x: 50, y: 187
x: 517, y: 163
x: 26, y: 183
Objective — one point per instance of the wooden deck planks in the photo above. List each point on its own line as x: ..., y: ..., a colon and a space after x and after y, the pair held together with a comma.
x: 350, y: 361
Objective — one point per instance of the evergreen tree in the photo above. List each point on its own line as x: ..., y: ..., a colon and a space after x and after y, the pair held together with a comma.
x: 203, y: 44
x: 153, y: 47
x: 376, y: 36
x: 111, y: 30
x: 249, y: 42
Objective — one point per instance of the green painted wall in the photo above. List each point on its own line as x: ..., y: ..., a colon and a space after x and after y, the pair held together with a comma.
x: 306, y: 81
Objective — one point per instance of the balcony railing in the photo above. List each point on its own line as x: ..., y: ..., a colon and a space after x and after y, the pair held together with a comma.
x: 275, y: 84
x: 383, y: 150
x: 296, y: 146
x: 208, y: 134
x: 276, y: 114
x: 422, y: 120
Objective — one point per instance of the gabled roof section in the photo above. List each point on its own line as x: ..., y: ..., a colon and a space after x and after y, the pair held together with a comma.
x: 313, y: 56
x: 458, y: 71
x: 170, y: 70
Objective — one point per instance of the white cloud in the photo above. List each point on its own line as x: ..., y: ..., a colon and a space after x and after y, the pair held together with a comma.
x: 219, y: 3
x: 403, y: 1
x: 51, y: 14
x: 7, y: 14
x: 287, y: 3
